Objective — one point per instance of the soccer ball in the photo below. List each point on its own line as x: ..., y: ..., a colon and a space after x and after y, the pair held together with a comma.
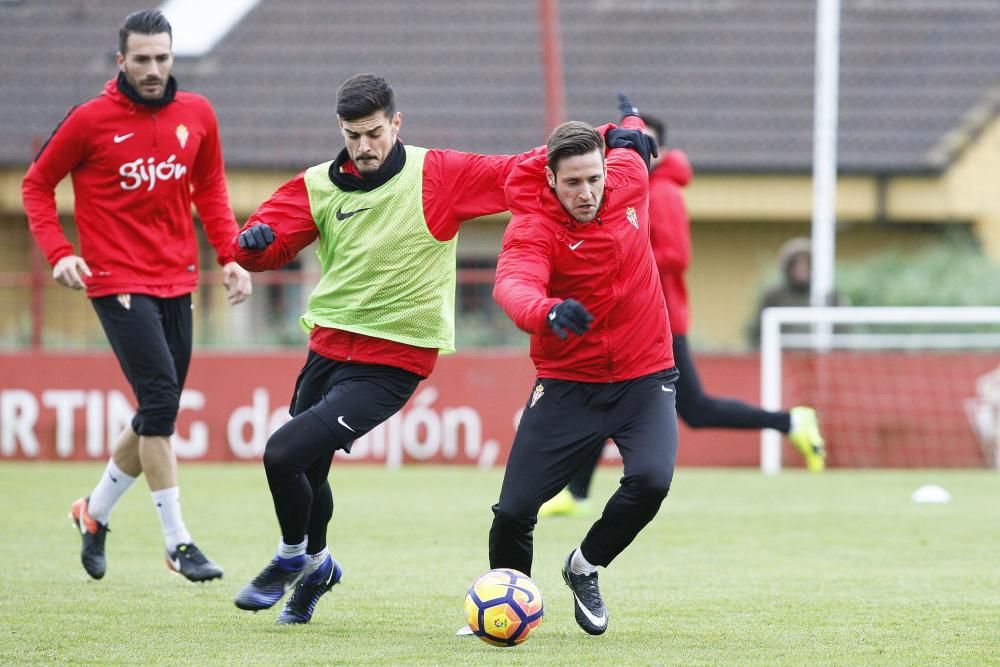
x: 503, y: 607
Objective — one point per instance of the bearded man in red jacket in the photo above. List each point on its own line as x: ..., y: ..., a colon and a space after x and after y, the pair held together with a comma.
x: 577, y: 272
x: 139, y: 154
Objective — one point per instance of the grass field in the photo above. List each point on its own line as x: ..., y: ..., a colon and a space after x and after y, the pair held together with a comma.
x: 738, y: 569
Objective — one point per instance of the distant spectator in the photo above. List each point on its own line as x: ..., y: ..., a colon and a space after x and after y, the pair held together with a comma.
x: 795, y: 260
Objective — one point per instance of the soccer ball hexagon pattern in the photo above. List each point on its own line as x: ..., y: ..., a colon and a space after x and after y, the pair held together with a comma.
x: 503, y: 607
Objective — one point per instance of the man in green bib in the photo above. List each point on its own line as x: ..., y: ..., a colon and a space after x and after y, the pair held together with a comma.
x: 386, y: 217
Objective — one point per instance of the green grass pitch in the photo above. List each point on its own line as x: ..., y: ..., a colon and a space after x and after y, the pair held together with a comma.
x: 737, y: 569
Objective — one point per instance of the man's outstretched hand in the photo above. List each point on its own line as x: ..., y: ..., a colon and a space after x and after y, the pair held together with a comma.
x: 569, y: 314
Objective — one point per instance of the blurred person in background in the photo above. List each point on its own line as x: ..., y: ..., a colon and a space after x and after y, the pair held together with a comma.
x: 577, y: 273
x: 670, y: 236
x: 793, y: 290
x: 139, y: 154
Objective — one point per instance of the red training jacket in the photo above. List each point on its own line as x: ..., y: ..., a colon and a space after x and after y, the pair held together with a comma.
x: 135, y: 172
x: 670, y: 234
x: 456, y: 187
x: 607, y: 265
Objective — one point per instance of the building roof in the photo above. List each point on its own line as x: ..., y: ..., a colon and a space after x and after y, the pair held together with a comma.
x: 732, y: 78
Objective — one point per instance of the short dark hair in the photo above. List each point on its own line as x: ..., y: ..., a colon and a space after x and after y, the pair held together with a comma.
x: 146, y: 22
x: 363, y: 95
x: 570, y: 139
x: 658, y: 127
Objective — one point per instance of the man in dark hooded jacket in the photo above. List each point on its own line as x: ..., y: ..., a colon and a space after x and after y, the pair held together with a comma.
x: 795, y: 260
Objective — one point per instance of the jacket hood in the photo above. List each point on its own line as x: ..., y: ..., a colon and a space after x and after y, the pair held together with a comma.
x: 675, y: 166
x: 112, y: 93
x: 789, y: 250
x: 528, y: 190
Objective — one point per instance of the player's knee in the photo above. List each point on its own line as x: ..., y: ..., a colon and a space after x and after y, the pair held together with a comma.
x: 511, y: 540
x: 652, y: 485
x: 695, y: 413
x: 694, y: 419
x: 156, y: 418
x: 278, y: 455
x: 517, y: 521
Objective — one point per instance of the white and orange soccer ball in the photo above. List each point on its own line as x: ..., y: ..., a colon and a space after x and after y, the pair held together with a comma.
x: 503, y: 607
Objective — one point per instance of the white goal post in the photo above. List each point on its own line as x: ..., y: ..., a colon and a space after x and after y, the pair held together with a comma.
x: 824, y: 336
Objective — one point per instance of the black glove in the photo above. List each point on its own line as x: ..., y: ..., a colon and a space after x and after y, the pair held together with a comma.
x: 257, y: 237
x: 637, y: 140
x: 626, y: 107
x: 569, y: 314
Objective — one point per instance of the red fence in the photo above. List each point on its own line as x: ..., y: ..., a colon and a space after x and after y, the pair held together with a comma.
x: 71, y: 406
x: 876, y: 408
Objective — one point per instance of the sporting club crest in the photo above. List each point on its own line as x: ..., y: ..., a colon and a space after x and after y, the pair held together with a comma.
x: 632, y: 217
x: 182, y: 135
x: 536, y: 394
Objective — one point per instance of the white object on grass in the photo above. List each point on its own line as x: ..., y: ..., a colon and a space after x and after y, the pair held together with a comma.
x: 931, y: 493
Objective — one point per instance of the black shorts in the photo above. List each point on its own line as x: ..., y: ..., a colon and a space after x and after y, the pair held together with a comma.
x: 566, y: 423
x: 152, y: 339
x: 350, y: 398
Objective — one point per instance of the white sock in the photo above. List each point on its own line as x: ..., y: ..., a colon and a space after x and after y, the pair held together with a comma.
x: 793, y: 422
x: 313, y: 561
x: 111, y: 487
x: 168, y: 506
x: 292, y: 550
x: 580, y: 565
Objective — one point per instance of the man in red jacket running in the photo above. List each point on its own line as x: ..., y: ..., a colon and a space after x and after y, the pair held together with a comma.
x: 577, y: 273
x: 670, y: 236
x: 139, y: 154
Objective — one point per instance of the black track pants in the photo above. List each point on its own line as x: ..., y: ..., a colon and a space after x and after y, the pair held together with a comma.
x: 562, y: 429
x: 334, y: 404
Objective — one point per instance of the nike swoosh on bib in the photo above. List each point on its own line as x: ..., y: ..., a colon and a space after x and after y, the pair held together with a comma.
x: 344, y: 216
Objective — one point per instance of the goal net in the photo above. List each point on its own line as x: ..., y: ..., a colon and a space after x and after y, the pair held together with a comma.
x: 893, y: 387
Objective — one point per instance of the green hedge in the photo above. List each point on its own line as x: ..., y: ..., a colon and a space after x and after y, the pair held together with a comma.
x: 952, y: 273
